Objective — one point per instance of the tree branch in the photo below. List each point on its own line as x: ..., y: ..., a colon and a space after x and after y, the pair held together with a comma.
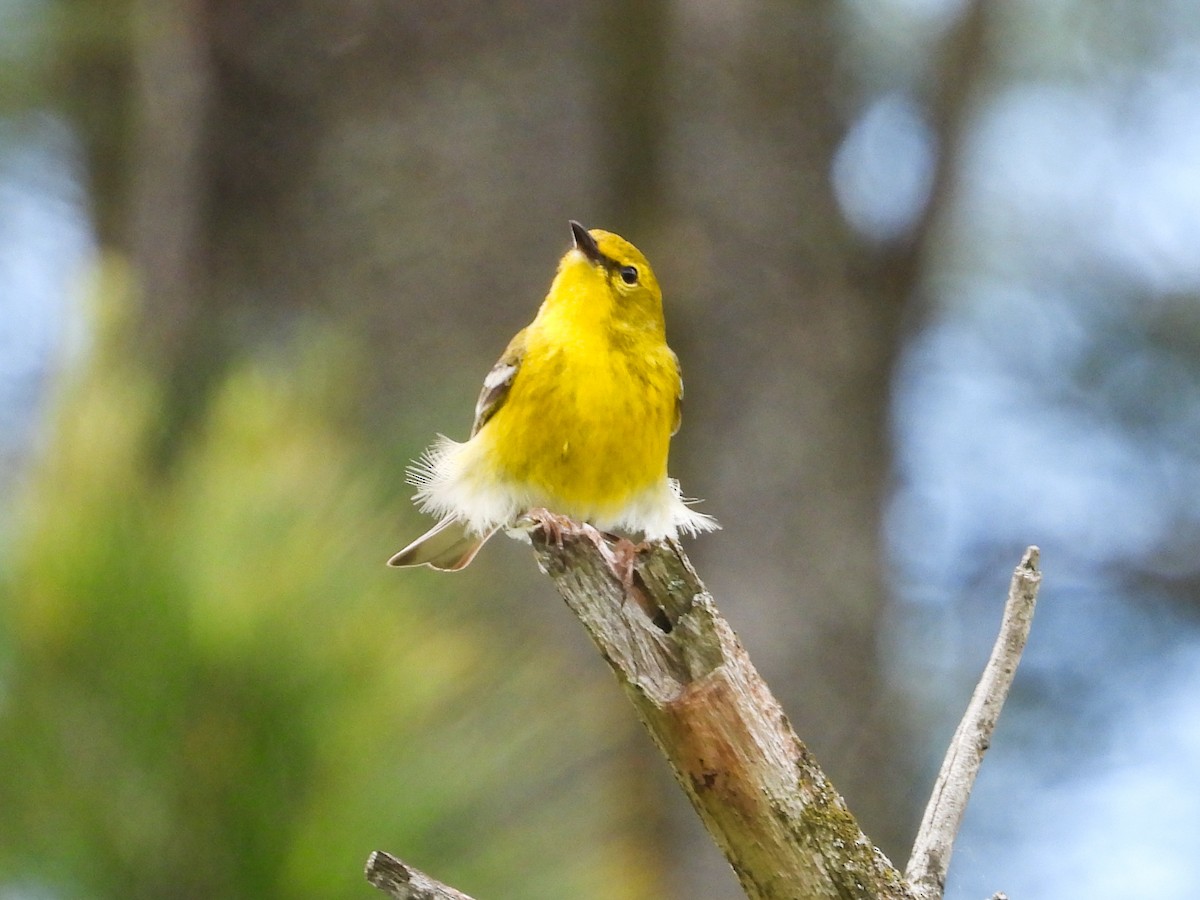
x: 761, y: 795
x: 404, y: 882
x: 782, y: 826
x: 935, y: 840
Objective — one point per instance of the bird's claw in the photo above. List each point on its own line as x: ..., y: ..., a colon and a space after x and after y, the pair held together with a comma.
x: 553, y: 526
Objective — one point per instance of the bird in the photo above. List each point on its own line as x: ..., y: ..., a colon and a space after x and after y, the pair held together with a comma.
x: 574, y: 420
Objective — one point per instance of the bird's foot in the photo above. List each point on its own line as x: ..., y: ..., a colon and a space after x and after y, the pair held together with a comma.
x: 552, y: 525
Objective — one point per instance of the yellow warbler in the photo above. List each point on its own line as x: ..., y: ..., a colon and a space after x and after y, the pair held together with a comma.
x: 576, y: 417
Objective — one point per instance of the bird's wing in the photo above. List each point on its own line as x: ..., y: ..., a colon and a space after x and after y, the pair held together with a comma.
x: 678, y: 397
x: 498, y: 381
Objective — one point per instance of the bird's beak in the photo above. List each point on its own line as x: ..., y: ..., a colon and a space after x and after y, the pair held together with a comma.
x: 585, y: 243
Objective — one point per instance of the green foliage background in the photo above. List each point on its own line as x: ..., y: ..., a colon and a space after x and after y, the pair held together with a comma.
x: 212, y: 687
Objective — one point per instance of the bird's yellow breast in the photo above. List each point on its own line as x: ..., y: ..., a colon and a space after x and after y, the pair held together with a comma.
x: 587, y: 423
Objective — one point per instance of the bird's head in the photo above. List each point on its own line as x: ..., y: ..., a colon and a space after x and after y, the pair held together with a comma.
x: 610, y: 277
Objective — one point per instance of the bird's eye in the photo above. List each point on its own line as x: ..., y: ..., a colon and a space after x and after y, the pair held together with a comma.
x: 629, y: 274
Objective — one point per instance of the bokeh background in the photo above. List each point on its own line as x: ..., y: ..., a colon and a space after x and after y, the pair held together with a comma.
x: 933, y: 270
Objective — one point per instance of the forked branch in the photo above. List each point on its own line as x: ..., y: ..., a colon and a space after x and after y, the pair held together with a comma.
x: 784, y: 829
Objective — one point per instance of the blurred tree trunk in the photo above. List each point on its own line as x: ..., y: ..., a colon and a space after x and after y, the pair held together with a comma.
x: 92, y: 84
x: 141, y: 92
x: 628, y: 64
x: 170, y: 196
x: 800, y: 323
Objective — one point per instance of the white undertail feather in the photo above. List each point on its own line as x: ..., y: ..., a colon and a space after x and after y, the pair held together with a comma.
x: 453, y: 480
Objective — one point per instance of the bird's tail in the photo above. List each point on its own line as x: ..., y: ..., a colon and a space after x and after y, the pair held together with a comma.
x: 448, y: 546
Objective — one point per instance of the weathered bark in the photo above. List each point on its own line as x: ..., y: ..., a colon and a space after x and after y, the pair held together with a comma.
x: 782, y: 826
